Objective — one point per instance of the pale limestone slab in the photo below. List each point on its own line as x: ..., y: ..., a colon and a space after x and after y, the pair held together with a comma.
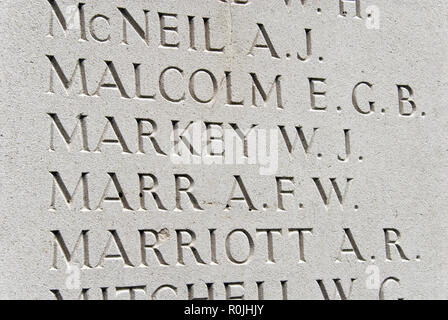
x: 340, y: 193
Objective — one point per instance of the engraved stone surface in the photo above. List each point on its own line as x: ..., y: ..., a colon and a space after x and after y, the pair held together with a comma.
x: 224, y: 149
